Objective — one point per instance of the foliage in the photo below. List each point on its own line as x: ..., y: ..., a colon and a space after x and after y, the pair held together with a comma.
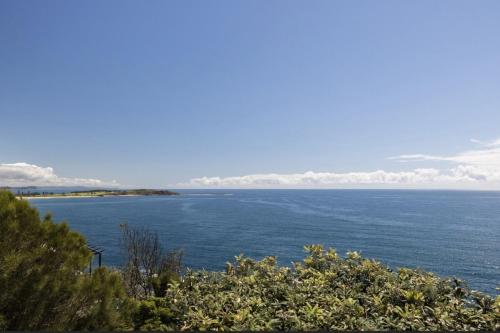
x: 43, y: 285
x: 324, y: 291
x: 42, y: 279
x: 149, y: 269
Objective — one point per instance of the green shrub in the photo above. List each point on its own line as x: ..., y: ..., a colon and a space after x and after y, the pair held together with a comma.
x: 324, y: 291
x: 42, y: 284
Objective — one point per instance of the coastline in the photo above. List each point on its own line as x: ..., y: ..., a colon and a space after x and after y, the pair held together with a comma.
x: 94, y: 194
x: 74, y: 196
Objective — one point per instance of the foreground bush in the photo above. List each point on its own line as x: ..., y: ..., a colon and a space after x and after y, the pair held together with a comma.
x: 148, y: 267
x: 42, y: 284
x: 325, y: 291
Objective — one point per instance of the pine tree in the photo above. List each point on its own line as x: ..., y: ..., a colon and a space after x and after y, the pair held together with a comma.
x: 43, y: 284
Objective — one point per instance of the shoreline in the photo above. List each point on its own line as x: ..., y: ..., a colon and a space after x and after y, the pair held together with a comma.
x: 75, y: 196
x: 94, y: 194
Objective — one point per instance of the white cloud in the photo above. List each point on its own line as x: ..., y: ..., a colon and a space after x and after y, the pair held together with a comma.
x: 487, y: 156
x: 462, y: 174
x: 24, y: 174
x: 416, y: 178
x: 319, y: 179
x: 494, y: 143
x: 478, y: 168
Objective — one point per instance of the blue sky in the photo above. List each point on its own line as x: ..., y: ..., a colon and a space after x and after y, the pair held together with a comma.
x: 269, y: 93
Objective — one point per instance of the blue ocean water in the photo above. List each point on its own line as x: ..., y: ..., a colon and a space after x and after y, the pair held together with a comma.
x: 451, y: 233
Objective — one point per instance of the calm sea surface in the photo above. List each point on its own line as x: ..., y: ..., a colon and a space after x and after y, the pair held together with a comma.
x: 451, y: 233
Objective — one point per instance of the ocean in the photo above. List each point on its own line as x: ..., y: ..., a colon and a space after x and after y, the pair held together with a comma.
x: 451, y: 233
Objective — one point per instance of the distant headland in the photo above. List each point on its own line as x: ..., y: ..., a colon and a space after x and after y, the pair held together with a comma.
x: 92, y: 193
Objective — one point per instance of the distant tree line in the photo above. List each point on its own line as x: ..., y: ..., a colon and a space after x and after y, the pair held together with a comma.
x: 33, y: 194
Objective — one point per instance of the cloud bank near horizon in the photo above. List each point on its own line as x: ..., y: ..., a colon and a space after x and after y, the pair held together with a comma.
x: 462, y: 175
x: 472, y: 169
x: 24, y: 174
x: 479, y: 168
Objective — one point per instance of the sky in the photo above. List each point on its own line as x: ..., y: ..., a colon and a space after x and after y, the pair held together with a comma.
x: 250, y: 94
